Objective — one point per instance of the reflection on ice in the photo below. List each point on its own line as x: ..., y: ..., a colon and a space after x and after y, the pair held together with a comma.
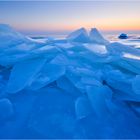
x: 128, y: 55
x: 96, y: 48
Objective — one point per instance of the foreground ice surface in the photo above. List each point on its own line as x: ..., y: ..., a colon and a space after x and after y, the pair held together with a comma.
x: 6, y: 109
x: 81, y: 87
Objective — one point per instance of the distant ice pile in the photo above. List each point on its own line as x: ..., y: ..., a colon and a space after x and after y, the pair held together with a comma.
x: 81, y: 87
x: 123, y: 36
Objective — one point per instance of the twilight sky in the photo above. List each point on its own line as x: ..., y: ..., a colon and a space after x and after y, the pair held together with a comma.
x: 69, y: 15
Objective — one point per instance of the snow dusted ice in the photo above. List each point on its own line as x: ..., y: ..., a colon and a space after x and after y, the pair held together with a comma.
x: 80, y: 87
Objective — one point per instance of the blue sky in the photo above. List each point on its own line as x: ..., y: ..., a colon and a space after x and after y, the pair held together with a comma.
x: 68, y: 15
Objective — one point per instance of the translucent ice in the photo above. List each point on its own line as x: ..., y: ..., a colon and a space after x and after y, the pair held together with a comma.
x: 116, y: 79
x: 9, y: 37
x: 65, y: 84
x: 90, y: 81
x: 119, y: 49
x: 96, y: 48
x: 96, y: 37
x: 98, y: 96
x: 48, y: 74
x: 23, y: 73
x: 79, y: 35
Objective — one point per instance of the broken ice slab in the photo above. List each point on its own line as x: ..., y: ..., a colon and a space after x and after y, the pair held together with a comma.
x: 134, y: 62
x: 88, y: 80
x: 83, y: 71
x: 18, y: 49
x: 94, y: 73
x: 96, y: 37
x: 94, y: 57
x: 123, y: 85
x: 119, y: 75
x: 118, y: 80
x: 22, y: 74
x: 61, y: 59
x: 65, y: 84
x: 47, y: 51
x: 64, y: 45
x: 12, y: 56
x: 98, y: 96
x: 77, y: 47
x: 136, y: 84
x: 6, y: 109
x: 73, y: 51
x: 9, y: 37
x: 48, y: 74
x: 82, y: 107
x: 79, y: 35
x: 119, y: 49
x: 96, y: 48
x: 75, y: 75
x: 10, y: 60
x: 75, y: 78
x: 129, y: 65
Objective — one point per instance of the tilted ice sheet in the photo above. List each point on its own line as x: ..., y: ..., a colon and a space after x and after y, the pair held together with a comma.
x: 82, y: 107
x: 22, y: 74
x: 48, y: 74
x: 98, y: 97
x: 131, y: 56
x: 10, y: 37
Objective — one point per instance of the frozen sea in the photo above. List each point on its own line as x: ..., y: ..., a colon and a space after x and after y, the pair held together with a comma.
x: 80, y: 86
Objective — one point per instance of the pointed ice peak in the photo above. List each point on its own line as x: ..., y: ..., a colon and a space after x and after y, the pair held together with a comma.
x: 10, y: 37
x: 4, y: 27
x: 94, y: 29
x: 79, y: 35
x: 7, y: 29
x: 96, y: 37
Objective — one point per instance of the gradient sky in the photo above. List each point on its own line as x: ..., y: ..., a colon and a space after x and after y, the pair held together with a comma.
x: 69, y: 15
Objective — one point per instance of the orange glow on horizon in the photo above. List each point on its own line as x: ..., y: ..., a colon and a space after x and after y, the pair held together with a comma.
x: 101, y: 24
